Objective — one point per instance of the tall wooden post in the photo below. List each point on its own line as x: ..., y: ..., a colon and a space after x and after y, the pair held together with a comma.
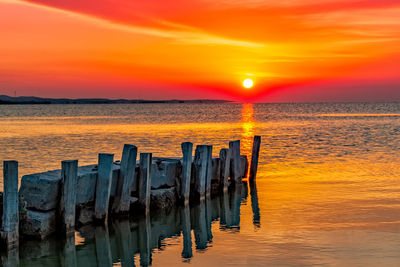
x: 103, y: 186
x: 209, y: 170
x: 200, y: 172
x: 10, y: 227
x: 69, y: 174
x: 187, y: 151
x: 128, y: 176
x: 254, y: 157
x: 234, y: 147
x: 144, y: 181
x: 125, y: 180
x: 225, y: 156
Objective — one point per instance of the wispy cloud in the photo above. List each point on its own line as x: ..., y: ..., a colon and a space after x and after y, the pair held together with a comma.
x: 178, y: 33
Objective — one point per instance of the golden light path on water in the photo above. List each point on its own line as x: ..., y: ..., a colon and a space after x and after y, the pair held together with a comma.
x: 327, y: 188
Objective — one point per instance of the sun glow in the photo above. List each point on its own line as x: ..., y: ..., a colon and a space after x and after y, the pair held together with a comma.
x: 248, y: 83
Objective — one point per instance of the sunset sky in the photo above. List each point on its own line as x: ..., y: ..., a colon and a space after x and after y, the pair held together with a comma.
x: 293, y: 50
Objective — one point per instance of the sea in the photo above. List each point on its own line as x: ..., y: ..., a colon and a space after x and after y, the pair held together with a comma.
x: 327, y: 191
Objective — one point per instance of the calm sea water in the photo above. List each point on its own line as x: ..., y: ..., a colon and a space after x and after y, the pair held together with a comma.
x: 327, y: 191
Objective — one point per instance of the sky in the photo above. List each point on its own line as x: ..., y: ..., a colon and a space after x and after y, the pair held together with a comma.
x: 293, y: 50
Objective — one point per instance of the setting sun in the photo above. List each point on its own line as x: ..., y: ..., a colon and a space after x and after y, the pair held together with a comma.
x: 248, y: 83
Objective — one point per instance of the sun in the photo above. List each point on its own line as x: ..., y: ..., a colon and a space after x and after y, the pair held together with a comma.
x: 248, y: 83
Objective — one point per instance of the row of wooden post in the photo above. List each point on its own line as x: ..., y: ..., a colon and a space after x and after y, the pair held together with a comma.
x: 127, y: 180
x: 203, y: 167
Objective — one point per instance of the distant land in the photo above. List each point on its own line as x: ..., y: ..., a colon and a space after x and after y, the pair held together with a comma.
x: 9, y: 100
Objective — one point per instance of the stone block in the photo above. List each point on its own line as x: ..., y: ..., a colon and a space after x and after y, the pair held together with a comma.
x: 165, y: 173
x: 38, y: 224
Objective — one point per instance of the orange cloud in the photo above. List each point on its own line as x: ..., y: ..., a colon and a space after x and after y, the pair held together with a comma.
x: 158, y: 49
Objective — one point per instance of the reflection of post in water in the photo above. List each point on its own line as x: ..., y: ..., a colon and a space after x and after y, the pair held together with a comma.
x: 209, y: 219
x: 186, y: 232
x: 103, y: 250
x: 10, y: 258
x: 68, y: 257
x: 226, y: 217
x: 144, y: 232
x: 200, y: 225
x: 254, y: 204
x: 124, y: 239
x: 230, y: 206
x: 235, y: 205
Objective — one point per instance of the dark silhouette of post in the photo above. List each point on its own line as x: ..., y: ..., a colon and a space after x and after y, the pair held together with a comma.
x: 187, y: 150
x: 10, y: 227
x: 69, y: 174
x: 144, y: 181
x: 103, y: 186
x: 200, y: 170
x: 209, y: 170
x: 225, y: 158
x: 234, y: 147
x: 254, y: 157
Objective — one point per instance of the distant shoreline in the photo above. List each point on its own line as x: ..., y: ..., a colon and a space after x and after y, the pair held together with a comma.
x: 31, y: 100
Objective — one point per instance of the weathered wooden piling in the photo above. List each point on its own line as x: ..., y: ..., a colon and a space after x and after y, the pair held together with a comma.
x: 200, y: 171
x: 209, y: 170
x: 254, y: 157
x: 129, y: 174
x: 9, y: 231
x: 234, y: 147
x: 187, y: 151
x: 225, y: 159
x: 69, y: 174
x: 144, y: 181
x: 126, y: 178
x: 103, y: 186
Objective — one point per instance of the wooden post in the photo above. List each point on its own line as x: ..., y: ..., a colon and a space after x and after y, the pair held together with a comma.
x: 200, y: 172
x: 125, y: 180
x: 234, y: 147
x: 69, y: 174
x: 103, y: 186
x: 10, y: 228
x: 187, y: 150
x: 128, y: 176
x: 209, y: 170
x: 225, y: 157
x: 144, y: 181
x: 254, y: 157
